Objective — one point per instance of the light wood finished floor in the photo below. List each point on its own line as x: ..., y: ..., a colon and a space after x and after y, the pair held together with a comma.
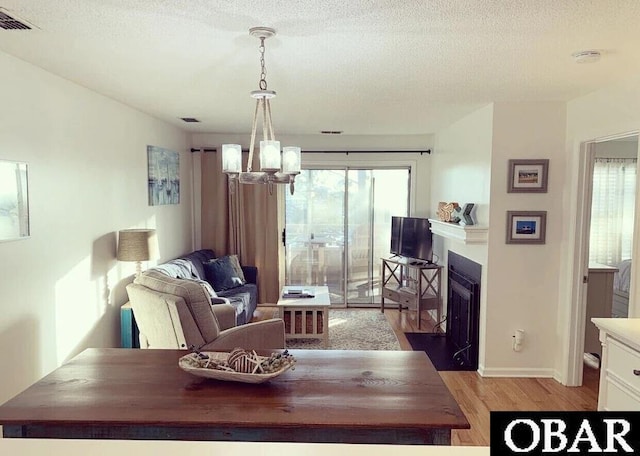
x: 478, y: 396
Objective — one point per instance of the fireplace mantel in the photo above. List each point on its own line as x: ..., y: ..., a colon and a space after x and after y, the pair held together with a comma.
x: 467, y: 234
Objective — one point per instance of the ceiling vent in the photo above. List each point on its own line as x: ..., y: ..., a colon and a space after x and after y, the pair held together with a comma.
x: 589, y: 56
x: 190, y: 119
x: 8, y: 22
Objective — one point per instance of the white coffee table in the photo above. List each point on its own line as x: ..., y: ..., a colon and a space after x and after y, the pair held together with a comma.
x: 311, y: 310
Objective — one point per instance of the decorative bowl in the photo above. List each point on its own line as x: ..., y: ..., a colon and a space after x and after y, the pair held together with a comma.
x: 214, y: 365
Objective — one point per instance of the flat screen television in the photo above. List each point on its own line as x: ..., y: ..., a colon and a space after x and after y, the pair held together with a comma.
x: 396, y: 232
x: 415, y: 239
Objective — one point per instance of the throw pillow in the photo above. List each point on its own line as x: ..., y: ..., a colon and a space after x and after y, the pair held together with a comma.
x: 235, y: 263
x: 221, y: 274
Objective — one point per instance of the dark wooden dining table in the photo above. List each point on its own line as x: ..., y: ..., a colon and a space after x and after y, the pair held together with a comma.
x: 332, y: 396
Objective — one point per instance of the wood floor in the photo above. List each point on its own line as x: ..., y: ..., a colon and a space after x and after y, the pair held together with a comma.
x: 478, y: 396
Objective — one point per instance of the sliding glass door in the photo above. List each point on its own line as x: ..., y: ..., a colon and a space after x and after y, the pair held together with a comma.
x: 337, y: 227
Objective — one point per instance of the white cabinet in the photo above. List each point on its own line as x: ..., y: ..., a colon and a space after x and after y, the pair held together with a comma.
x: 620, y: 367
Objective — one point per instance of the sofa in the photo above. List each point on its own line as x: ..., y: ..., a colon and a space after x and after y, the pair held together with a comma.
x: 198, y: 266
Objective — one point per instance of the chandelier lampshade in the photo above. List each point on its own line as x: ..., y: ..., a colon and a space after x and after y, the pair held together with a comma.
x: 291, y: 160
x: 277, y: 166
x: 270, y: 156
x: 231, y: 158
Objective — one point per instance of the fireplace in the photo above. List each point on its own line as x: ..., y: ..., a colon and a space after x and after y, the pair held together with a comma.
x: 463, y: 309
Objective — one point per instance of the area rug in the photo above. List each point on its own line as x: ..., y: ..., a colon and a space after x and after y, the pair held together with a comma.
x: 354, y: 329
x: 439, y: 351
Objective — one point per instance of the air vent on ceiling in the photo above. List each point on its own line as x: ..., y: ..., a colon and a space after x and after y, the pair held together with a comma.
x: 8, y: 22
x: 331, y: 132
x: 190, y: 119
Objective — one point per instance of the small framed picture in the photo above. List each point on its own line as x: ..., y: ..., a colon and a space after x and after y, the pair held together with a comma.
x: 526, y: 227
x: 528, y: 176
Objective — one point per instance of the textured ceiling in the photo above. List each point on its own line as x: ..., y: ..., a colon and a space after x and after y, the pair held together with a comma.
x: 362, y: 67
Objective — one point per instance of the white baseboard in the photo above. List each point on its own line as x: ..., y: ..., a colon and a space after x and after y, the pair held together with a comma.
x: 527, y: 372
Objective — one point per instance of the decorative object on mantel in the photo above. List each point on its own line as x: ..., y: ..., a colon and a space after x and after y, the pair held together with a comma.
x: 14, y: 201
x: 446, y: 212
x: 466, y: 214
x: 239, y: 365
x: 270, y: 157
x: 528, y: 176
x: 137, y: 245
x: 526, y: 227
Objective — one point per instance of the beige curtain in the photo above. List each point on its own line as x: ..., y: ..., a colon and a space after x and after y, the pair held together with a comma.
x: 242, y: 220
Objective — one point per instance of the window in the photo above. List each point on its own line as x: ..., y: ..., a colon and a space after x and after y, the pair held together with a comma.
x: 612, y: 210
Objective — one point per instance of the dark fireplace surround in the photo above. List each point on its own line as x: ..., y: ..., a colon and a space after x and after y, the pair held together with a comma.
x: 463, y: 309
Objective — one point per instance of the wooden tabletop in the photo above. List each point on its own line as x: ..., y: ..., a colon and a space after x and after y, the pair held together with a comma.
x: 123, y: 393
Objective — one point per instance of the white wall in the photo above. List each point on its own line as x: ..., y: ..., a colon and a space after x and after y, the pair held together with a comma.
x: 520, y: 282
x: 461, y: 172
x: 607, y: 112
x: 523, y: 280
x: 61, y: 288
x: 624, y: 148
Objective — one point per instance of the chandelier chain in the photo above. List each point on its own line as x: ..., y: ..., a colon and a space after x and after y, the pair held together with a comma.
x: 263, y: 68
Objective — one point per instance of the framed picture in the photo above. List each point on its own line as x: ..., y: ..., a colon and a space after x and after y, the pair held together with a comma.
x: 526, y: 227
x: 164, y: 176
x: 528, y: 176
x: 14, y: 201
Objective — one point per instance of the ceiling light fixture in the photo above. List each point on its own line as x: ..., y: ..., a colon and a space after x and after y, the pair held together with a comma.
x: 275, y: 167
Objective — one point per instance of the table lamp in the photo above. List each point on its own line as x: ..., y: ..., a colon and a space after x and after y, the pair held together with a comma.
x: 137, y: 245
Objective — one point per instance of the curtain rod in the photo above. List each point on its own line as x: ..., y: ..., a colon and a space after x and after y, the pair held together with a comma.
x: 346, y: 152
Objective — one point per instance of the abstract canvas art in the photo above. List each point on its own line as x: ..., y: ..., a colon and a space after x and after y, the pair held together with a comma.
x: 164, y: 176
x: 14, y: 201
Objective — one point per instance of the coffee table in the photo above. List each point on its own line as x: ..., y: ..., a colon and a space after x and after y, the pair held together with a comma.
x: 332, y: 396
x: 312, y: 312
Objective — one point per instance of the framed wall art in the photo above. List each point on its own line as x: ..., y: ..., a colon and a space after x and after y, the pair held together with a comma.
x: 526, y: 227
x: 14, y: 200
x: 528, y: 176
x: 164, y: 176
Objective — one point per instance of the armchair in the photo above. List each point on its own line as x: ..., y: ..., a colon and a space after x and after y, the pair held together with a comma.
x: 177, y: 313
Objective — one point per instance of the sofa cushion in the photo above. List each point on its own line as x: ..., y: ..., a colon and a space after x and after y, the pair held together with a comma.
x: 245, y: 299
x: 235, y: 264
x: 179, y: 269
x: 193, y: 293
x: 198, y: 258
x: 222, y: 274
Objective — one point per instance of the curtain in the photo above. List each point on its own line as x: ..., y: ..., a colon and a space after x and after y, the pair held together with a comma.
x: 242, y: 219
x: 612, y: 210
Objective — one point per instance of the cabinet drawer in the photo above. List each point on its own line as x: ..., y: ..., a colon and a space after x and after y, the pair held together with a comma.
x: 619, y: 399
x: 406, y: 299
x: 390, y: 294
x: 622, y: 361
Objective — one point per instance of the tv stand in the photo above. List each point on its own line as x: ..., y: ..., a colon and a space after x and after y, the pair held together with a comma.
x: 412, y: 284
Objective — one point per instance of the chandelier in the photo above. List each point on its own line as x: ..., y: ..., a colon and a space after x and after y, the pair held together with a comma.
x: 276, y: 167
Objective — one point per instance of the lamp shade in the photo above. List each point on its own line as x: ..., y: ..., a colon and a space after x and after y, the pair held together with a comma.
x: 291, y: 160
x: 137, y: 245
x: 270, y: 155
x: 231, y: 158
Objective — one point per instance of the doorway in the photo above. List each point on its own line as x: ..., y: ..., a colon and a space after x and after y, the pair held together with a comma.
x: 611, y: 225
x: 338, y: 226
x: 604, y: 239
